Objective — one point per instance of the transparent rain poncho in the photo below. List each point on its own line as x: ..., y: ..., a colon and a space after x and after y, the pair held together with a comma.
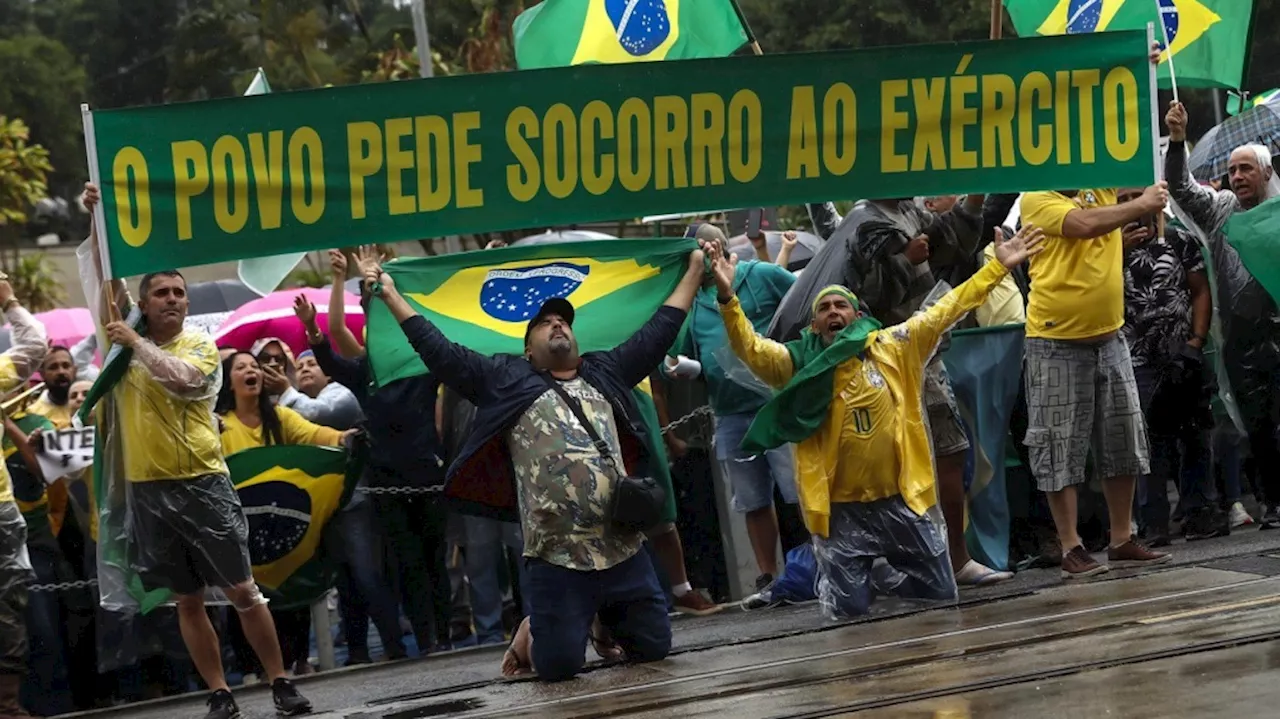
x: 168, y: 517
x: 879, y: 548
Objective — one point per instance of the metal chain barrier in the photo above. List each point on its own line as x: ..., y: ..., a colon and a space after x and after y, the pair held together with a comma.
x: 63, y: 586
x: 400, y: 491
x: 700, y: 412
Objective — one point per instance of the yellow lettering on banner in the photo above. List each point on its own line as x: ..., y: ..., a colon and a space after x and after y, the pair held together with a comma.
x: 998, y: 101
x: 525, y: 178
x: 892, y: 121
x: 306, y: 162
x: 129, y: 161
x: 1121, y: 113
x: 561, y: 172
x: 671, y: 132
x: 230, y: 185
x: 839, y: 129
x: 431, y: 137
x: 962, y: 116
x: 1035, y: 143
x: 745, y: 136
x: 191, y: 178
x: 1085, y: 82
x: 802, y: 141
x: 399, y: 161
x: 466, y: 154
x: 1062, y: 115
x: 928, y: 143
x: 635, y: 148
x: 706, y: 139
x: 364, y: 158
x: 597, y: 122
x: 267, y: 157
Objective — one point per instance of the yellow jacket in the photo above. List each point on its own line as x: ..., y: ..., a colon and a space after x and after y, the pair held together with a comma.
x: 900, y: 353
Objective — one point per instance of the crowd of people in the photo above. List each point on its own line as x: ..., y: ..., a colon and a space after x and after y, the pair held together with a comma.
x: 489, y: 513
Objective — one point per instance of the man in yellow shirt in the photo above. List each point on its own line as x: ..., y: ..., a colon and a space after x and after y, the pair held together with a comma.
x: 852, y: 401
x: 1081, y: 392
x: 188, y: 529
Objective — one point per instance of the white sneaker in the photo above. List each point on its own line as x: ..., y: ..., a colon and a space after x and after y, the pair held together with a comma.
x: 1239, y: 517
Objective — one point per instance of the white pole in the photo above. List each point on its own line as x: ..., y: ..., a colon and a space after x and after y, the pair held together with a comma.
x: 1164, y: 32
x: 95, y: 176
x: 423, y: 41
x: 324, y: 633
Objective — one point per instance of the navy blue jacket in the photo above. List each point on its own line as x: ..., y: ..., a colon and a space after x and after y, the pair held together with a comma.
x: 481, y: 480
x: 400, y: 421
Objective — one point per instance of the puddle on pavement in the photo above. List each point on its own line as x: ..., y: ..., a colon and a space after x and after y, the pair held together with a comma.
x: 437, y: 709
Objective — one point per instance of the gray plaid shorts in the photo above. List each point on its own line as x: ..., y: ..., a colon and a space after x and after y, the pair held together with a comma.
x: 1082, y: 397
x: 945, y: 426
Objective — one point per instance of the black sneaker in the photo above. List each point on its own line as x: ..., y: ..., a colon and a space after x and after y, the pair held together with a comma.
x: 1206, y: 523
x: 222, y: 706
x: 288, y: 701
x: 763, y: 598
x: 1270, y: 518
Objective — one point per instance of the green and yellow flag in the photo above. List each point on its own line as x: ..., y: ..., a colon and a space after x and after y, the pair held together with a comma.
x: 1208, y: 39
x: 289, y: 494
x: 557, y: 33
x: 484, y: 299
x: 29, y: 490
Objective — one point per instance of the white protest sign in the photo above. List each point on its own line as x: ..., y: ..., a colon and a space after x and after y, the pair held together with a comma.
x: 65, y: 452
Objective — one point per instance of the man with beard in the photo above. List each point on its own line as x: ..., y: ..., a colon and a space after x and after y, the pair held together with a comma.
x: 851, y: 400
x: 552, y: 433
x: 59, y: 373
x: 1251, y: 344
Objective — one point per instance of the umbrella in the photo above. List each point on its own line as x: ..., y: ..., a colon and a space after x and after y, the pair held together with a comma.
x: 807, y: 246
x: 1260, y: 124
x: 206, y: 298
x: 548, y: 238
x: 65, y: 327
x: 272, y: 316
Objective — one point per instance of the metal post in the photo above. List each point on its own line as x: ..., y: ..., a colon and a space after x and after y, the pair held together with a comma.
x: 1217, y: 106
x: 324, y: 633
x: 423, y: 40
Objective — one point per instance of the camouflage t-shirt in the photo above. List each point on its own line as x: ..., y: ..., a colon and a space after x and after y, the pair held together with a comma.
x: 564, y: 483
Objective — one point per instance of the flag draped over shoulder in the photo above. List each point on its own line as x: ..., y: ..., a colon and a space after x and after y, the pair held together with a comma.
x: 557, y: 33
x: 484, y: 299
x: 985, y: 367
x: 1208, y: 39
x: 289, y: 494
x: 29, y: 490
x: 1255, y: 235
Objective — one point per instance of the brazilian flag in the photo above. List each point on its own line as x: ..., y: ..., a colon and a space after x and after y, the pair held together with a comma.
x: 485, y: 299
x: 28, y: 488
x: 558, y: 33
x: 1208, y: 39
x: 289, y: 494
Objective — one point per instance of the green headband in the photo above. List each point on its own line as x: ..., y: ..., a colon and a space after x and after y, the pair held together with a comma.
x: 834, y: 290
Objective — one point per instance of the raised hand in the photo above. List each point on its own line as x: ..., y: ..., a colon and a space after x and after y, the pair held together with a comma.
x: 1176, y: 120
x: 338, y: 265
x: 91, y: 197
x: 305, y: 310
x: 1028, y: 243
x: 722, y: 270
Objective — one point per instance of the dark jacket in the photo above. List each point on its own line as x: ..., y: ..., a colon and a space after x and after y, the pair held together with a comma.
x: 481, y: 480
x: 400, y: 422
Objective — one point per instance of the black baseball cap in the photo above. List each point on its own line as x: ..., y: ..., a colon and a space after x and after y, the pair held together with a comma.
x: 554, y: 306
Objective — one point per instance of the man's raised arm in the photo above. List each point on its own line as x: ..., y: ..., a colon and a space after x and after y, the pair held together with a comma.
x: 462, y: 369
x: 1210, y: 210
x: 643, y: 351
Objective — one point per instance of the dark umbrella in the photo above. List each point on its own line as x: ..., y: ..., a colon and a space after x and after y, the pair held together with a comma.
x: 807, y: 246
x: 1260, y: 124
x: 218, y: 296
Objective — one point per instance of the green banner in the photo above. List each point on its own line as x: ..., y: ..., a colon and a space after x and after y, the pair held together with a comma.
x: 196, y: 183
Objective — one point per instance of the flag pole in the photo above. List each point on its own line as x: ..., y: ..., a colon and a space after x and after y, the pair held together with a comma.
x: 997, y: 19
x: 746, y: 27
x: 1164, y: 32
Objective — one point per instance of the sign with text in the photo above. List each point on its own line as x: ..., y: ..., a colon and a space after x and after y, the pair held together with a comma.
x: 196, y: 183
x: 65, y: 452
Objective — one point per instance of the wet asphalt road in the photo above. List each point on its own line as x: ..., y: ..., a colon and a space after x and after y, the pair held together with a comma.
x: 1190, y: 639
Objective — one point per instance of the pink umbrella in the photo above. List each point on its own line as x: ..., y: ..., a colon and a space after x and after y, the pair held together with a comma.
x: 66, y: 327
x: 272, y: 316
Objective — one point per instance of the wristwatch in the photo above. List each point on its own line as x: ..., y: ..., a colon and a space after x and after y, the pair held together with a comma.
x: 10, y: 304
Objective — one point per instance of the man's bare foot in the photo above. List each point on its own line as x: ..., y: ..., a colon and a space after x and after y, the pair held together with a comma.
x: 602, y: 641
x: 518, y: 659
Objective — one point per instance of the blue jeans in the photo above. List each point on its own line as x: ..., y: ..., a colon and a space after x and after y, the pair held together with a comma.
x: 1179, y: 450
x: 46, y: 689
x: 753, y: 478
x: 563, y: 602
x: 486, y: 541
x: 363, y: 591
